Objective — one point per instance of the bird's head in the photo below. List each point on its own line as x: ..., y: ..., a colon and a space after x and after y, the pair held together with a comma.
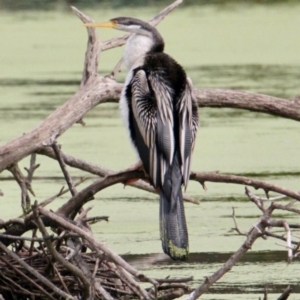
x: 145, y: 38
x: 131, y: 25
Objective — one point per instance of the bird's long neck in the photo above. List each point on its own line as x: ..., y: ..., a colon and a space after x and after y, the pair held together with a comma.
x: 137, y: 46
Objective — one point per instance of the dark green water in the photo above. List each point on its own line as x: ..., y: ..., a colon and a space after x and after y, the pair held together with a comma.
x: 255, y: 49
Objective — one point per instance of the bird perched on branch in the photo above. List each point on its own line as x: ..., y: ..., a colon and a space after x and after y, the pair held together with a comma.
x: 161, y: 115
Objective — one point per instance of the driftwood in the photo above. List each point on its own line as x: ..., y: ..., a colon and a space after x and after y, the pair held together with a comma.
x: 69, y: 262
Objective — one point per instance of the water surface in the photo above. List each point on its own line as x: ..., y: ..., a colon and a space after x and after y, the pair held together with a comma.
x: 254, y: 48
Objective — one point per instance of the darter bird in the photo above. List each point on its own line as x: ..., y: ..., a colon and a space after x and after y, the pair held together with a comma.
x: 160, y: 111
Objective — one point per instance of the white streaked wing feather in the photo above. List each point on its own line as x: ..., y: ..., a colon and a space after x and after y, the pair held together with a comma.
x: 188, y: 124
x: 164, y: 100
x: 156, y: 129
x: 143, y: 113
x: 145, y: 117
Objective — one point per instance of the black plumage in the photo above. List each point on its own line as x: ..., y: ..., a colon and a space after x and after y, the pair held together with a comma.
x: 162, y: 118
x: 160, y: 66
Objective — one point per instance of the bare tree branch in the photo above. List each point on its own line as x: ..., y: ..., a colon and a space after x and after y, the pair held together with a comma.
x: 97, y: 90
x: 285, y: 207
x: 210, y: 280
x: 289, y: 109
x: 257, y: 184
x: 63, y: 167
x: 101, y: 171
x: 94, y: 47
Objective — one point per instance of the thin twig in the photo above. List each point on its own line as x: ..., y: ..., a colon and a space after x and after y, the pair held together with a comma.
x: 132, y: 284
x: 236, y: 228
x: 279, y: 237
x: 63, y: 167
x: 255, y: 199
x: 24, y: 185
x: 32, y: 168
x: 175, y: 280
x: 61, y: 279
x: 285, y: 225
x: 94, y: 220
x: 285, y: 207
x: 60, y: 193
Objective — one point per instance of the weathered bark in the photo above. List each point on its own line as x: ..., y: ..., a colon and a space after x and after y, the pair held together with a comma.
x: 202, y: 177
x: 284, y: 108
x: 96, y: 90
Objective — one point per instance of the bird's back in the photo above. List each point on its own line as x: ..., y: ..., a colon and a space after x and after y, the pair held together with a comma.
x: 168, y: 69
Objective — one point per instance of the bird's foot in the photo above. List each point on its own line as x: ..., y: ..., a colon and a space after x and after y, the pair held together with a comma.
x: 138, y: 166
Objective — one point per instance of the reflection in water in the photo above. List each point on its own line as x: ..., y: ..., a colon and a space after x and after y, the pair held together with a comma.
x: 207, y: 258
x: 251, y: 261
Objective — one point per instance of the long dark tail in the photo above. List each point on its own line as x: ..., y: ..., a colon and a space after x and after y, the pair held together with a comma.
x: 173, y: 229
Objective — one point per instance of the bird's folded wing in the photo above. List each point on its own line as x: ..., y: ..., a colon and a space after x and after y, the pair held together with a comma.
x: 144, y: 112
x: 165, y: 139
x: 152, y: 108
x: 188, y: 124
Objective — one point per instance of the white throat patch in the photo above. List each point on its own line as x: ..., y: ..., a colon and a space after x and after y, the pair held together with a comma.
x: 136, y: 46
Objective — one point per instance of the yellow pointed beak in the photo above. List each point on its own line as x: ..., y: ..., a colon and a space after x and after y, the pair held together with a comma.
x: 106, y: 24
